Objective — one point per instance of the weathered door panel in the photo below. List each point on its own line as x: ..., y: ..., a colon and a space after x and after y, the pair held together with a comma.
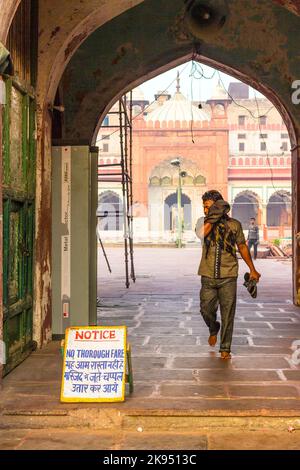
x: 19, y: 146
x: 18, y: 224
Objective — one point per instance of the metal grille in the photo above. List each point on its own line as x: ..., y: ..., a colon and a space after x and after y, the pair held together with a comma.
x: 20, y: 41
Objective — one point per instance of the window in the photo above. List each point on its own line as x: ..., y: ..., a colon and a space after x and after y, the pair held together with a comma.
x: 105, y: 121
x: 284, y: 136
x: 262, y: 120
x: 241, y: 136
x: 105, y: 137
x: 242, y: 147
x: 263, y: 136
x: 105, y: 148
x: 263, y: 146
x: 284, y: 146
x: 242, y: 120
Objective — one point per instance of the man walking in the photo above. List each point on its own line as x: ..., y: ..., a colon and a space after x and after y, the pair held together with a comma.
x: 218, y: 268
x: 253, y: 236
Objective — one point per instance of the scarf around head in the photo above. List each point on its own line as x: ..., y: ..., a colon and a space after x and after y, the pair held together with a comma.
x: 220, y: 234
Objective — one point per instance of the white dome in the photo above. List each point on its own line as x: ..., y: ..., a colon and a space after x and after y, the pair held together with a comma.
x: 178, y: 108
x: 219, y: 93
x: 137, y: 94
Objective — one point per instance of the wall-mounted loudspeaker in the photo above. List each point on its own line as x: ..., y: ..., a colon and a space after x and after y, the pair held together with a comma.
x: 205, y: 17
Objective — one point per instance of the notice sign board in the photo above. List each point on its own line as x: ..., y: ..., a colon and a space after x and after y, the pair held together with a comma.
x: 94, y: 368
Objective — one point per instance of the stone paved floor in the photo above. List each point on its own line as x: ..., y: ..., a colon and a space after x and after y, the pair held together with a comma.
x: 74, y: 439
x: 185, y: 396
x: 171, y: 357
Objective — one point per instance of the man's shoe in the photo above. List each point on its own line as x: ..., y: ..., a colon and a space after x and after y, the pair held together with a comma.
x: 212, y: 340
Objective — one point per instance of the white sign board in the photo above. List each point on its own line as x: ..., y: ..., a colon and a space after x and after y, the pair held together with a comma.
x: 94, y: 368
x: 66, y: 238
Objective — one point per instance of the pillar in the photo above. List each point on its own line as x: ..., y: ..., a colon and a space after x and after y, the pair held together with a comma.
x: 296, y: 222
x: 263, y: 221
x: 1, y: 228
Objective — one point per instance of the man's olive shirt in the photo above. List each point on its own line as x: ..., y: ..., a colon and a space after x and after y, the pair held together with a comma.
x: 229, y: 263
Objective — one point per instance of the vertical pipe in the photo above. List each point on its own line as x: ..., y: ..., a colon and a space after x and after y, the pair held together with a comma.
x: 123, y: 192
x: 179, y: 242
x: 130, y: 185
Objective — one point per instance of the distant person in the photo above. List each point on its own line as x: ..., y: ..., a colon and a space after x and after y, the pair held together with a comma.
x: 220, y: 235
x: 253, y: 236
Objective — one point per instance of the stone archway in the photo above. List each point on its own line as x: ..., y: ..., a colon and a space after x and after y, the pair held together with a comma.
x: 163, y: 181
x: 246, y: 205
x: 171, y: 212
x: 109, y: 211
x: 279, y: 209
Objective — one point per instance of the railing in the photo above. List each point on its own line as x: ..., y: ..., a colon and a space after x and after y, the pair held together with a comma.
x: 249, y: 161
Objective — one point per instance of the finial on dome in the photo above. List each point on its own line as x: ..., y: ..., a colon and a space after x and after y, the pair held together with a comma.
x: 178, y: 83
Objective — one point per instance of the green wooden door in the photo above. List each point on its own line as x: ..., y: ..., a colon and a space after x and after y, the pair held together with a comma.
x: 18, y: 222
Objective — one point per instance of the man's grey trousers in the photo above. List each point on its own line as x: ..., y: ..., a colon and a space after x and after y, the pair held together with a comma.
x: 215, y: 292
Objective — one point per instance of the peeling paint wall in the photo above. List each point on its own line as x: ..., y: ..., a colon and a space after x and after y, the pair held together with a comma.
x: 42, y: 294
x: 64, y: 25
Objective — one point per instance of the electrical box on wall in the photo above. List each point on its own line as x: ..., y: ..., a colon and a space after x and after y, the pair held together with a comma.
x: 74, y: 243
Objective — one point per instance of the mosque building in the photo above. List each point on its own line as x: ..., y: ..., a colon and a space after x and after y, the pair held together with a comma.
x: 233, y: 143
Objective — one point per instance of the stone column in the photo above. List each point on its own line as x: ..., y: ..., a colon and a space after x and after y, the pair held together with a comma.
x: 264, y: 220
x: 1, y: 231
x: 296, y: 222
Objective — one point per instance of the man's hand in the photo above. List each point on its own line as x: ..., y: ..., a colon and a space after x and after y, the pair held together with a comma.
x: 207, y: 228
x: 255, y: 275
x: 245, y: 254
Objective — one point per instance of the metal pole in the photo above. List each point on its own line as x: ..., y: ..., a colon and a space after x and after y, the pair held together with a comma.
x: 133, y: 277
x: 179, y: 242
x: 104, y: 253
x: 124, y: 193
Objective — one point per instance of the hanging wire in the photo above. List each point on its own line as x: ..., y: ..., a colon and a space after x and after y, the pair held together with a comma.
x: 150, y: 104
x: 257, y: 118
x: 264, y: 141
x: 192, y: 99
x: 240, y: 105
x: 197, y: 72
x: 267, y: 152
